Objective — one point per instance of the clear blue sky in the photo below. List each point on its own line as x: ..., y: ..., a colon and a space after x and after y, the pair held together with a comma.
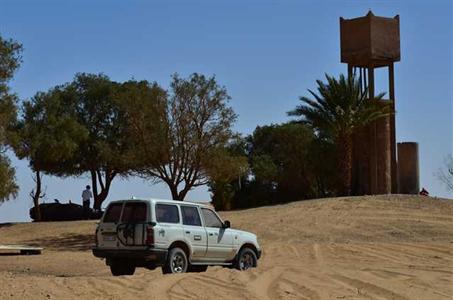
x: 267, y: 53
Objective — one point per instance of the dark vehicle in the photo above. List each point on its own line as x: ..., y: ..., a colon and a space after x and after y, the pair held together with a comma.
x: 63, y: 212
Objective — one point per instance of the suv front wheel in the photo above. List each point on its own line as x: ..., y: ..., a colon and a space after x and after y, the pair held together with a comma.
x: 246, y: 259
x: 176, y: 262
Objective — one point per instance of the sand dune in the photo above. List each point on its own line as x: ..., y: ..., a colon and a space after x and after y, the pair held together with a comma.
x: 386, y: 247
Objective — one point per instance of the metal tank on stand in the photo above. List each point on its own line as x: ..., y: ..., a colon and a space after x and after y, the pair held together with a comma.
x: 368, y: 43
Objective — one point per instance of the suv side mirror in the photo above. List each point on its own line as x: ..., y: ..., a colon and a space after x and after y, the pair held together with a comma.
x: 226, y: 224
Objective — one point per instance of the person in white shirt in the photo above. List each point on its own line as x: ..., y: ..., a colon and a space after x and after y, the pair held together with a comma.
x: 86, y: 196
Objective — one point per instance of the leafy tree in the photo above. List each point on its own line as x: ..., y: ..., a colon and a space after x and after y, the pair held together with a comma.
x: 8, y: 187
x: 197, y: 126
x: 321, y: 161
x: 340, y: 107
x: 279, y: 156
x: 78, y: 128
x: 143, y: 106
x: 10, y: 54
x: 225, y: 181
x: 286, y: 162
x: 48, y: 135
x: 10, y: 60
x: 104, y: 154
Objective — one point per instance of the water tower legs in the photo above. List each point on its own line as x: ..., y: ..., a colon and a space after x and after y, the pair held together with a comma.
x: 394, y: 166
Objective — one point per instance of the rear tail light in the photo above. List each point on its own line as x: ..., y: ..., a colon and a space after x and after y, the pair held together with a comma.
x: 149, y: 235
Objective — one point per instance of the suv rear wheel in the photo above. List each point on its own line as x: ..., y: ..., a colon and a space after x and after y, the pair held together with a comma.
x: 119, y: 268
x: 176, y: 262
x: 246, y: 259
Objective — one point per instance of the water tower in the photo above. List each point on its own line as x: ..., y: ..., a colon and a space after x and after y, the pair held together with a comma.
x: 368, y: 43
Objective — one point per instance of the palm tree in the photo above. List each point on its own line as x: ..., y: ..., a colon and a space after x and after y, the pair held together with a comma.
x: 337, y: 110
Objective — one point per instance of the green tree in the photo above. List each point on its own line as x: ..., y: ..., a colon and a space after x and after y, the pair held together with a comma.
x: 104, y: 154
x: 225, y: 180
x: 197, y: 126
x: 79, y: 128
x: 143, y: 106
x: 321, y: 161
x: 286, y: 162
x: 8, y: 186
x: 10, y: 60
x: 340, y: 107
x: 48, y: 135
x: 279, y: 156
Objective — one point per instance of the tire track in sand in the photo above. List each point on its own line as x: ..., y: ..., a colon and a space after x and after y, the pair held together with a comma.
x: 367, y: 288
x: 194, y: 286
x: 263, y: 284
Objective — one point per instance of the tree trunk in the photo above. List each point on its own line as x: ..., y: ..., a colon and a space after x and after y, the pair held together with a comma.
x: 344, y: 161
x: 94, y: 184
x: 174, y: 192
x: 100, y: 198
x: 36, y: 195
x: 183, y: 193
x: 104, y: 180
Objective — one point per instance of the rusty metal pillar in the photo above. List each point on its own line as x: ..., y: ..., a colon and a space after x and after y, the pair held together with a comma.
x: 408, y: 169
x: 372, y: 137
x: 394, y: 165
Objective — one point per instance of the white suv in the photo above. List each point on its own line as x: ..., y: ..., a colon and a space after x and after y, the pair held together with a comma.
x: 175, y: 235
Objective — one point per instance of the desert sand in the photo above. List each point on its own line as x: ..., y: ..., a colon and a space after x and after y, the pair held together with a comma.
x: 385, y: 247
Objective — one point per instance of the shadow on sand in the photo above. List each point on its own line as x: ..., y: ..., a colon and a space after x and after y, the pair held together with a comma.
x: 11, y: 254
x: 6, y: 225
x: 67, y: 242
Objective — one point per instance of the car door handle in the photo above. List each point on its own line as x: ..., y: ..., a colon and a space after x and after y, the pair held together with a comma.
x: 188, y: 232
x: 211, y: 234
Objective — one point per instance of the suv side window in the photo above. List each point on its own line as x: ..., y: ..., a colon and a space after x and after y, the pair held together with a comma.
x: 190, y: 216
x: 167, y: 213
x: 210, y: 218
x: 134, y: 212
x: 113, y: 213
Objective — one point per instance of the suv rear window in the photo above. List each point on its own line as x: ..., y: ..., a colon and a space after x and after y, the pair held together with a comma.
x: 167, y: 213
x: 112, y: 215
x: 134, y: 212
x: 190, y: 216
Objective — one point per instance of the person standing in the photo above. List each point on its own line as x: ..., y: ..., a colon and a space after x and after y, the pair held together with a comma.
x: 86, y: 196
